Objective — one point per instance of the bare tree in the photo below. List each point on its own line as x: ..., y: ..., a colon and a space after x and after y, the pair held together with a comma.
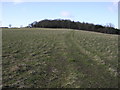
x: 21, y: 26
x: 110, y: 25
x: 10, y: 25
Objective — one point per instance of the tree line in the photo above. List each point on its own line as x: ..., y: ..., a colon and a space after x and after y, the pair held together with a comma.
x: 60, y: 23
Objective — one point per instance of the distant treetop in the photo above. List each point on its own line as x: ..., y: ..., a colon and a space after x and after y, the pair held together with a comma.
x: 66, y: 23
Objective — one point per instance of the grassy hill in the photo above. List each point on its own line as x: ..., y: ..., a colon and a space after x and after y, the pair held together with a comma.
x: 59, y: 58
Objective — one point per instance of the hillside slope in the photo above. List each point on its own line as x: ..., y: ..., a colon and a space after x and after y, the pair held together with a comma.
x: 51, y: 58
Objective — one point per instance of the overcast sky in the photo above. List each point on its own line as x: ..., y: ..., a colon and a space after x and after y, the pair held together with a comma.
x: 24, y: 13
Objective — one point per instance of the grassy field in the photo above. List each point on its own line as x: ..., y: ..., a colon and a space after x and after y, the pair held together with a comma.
x: 59, y: 58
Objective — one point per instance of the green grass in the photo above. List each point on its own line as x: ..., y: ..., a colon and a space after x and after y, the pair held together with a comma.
x: 59, y: 58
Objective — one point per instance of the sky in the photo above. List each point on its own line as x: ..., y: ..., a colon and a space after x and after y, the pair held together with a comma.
x: 23, y: 13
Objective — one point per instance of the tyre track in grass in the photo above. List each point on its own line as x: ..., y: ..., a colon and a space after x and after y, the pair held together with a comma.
x: 94, y: 70
x: 69, y: 77
x: 97, y: 57
x: 65, y: 77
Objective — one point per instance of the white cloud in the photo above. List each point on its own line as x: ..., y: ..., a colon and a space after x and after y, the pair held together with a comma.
x: 66, y: 14
x: 114, y: 7
x: 115, y: 3
x: 17, y: 1
x: 14, y: 1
